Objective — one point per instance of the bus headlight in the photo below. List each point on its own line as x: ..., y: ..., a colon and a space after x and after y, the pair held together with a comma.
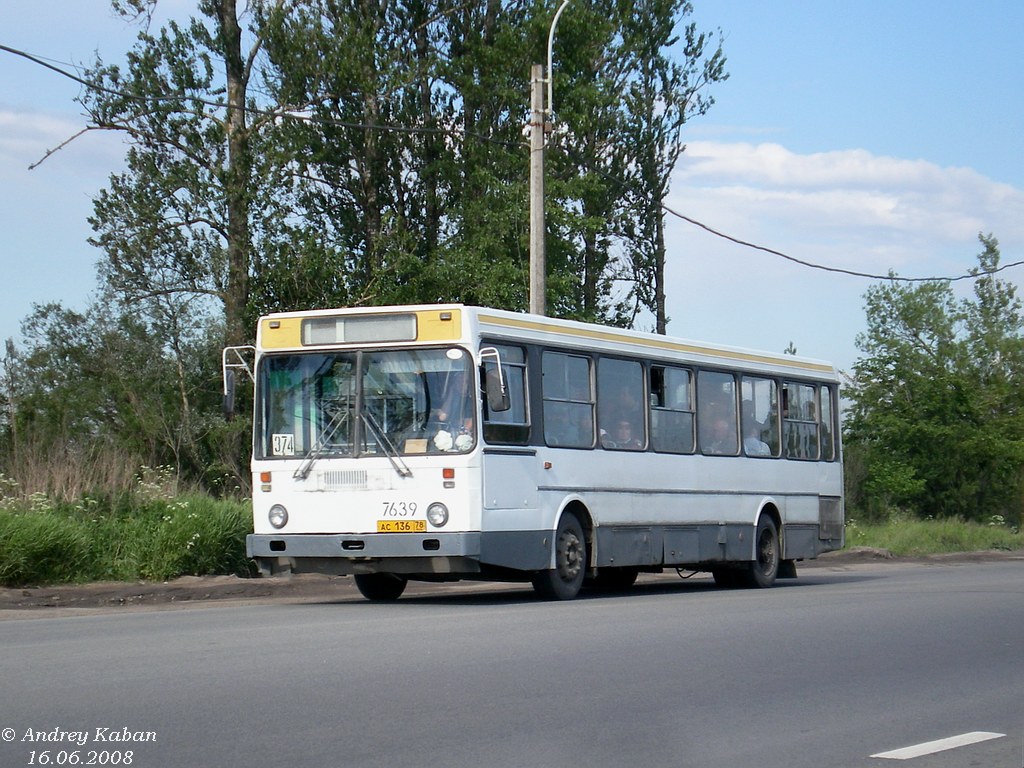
x: 278, y: 516
x: 437, y: 514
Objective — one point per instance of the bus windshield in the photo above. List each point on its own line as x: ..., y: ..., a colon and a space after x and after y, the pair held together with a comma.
x: 345, y: 403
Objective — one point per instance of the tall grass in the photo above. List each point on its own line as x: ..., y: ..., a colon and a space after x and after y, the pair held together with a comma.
x: 145, y: 533
x: 64, y: 471
x: 907, y: 537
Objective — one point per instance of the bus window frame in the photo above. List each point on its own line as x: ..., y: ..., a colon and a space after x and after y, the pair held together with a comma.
x: 667, y: 409
x: 607, y: 410
x: 499, y: 431
x: 550, y: 401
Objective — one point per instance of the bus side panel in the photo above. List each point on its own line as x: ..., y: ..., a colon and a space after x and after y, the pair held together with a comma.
x: 646, y: 546
x: 513, y: 533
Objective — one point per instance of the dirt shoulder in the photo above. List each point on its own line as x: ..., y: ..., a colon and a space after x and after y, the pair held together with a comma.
x: 192, y: 590
x: 182, y: 591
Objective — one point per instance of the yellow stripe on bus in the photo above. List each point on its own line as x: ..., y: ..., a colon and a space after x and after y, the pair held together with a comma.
x: 665, y: 344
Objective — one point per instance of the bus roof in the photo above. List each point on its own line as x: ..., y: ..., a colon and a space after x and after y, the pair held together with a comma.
x: 505, y: 324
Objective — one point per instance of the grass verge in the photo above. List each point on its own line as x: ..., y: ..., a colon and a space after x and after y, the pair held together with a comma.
x: 915, y: 538
x: 126, y: 539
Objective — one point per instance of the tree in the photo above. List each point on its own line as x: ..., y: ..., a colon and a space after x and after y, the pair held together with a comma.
x: 663, y: 95
x: 410, y: 163
x: 176, y: 224
x: 631, y: 76
x: 407, y: 164
x: 936, y: 417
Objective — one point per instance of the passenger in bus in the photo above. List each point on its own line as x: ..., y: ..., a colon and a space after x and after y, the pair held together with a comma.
x: 753, y: 445
x: 562, y: 429
x: 625, y: 436
x: 557, y: 428
x: 722, y: 438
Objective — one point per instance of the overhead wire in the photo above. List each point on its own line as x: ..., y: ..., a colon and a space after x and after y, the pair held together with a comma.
x: 890, y: 277
x: 839, y: 270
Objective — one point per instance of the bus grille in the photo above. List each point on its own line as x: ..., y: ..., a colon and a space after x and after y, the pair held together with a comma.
x: 356, y: 480
x: 343, y: 480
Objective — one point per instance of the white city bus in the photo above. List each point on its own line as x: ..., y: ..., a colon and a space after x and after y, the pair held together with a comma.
x: 450, y: 442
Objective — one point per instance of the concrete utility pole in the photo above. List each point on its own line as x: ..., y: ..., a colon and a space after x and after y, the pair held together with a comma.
x: 538, y: 277
x: 539, y: 128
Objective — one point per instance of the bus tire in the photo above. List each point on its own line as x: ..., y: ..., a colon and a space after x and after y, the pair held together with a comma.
x: 380, y: 587
x: 563, y: 582
x: 765, y: 568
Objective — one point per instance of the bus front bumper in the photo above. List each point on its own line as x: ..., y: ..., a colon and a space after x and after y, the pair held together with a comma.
x: 408, y: 553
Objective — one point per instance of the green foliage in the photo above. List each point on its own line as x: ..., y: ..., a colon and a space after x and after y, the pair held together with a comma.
x: 40, y: 548
x: 146, y: 534
x: 97, y: 394
x: 936, y: 425
x: 159, y: 539
x: 906, y: 537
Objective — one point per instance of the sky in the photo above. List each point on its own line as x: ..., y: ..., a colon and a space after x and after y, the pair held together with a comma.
x: 872, y: 136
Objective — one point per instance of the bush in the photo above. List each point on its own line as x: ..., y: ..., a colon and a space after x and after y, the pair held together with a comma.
x: 40, y: 548
x: 193, y: 535
x: 140, y: 535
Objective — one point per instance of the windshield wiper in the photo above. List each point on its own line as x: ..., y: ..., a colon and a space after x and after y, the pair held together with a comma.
x: 385, y: 443
x: 337, y: 420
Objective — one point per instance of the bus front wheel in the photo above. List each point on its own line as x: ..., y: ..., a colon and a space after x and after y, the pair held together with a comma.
x: 563, y: 582
x: 380, y: 587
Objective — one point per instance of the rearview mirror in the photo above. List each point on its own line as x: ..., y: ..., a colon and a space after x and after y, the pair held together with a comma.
x: 229, y: 394
x: 494, y: 381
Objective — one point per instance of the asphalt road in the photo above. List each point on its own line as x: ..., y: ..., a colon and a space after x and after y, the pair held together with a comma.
x: 842, y: 664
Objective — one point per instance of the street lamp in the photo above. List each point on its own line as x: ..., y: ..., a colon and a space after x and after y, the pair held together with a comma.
x: 539, y: 114
x: 551, y: 40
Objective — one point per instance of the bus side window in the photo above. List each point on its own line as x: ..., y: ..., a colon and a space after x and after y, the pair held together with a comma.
x: 620, y: 404
x: 828, y: 442
x: 717, y: 425
x: 511, y: 427
x: 566, y: 390
x: 759, y: 416
x: 800, y: 421
x: 671, y: 410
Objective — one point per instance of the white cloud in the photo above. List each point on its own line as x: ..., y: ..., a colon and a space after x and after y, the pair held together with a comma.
x: 847, y: 209
x: 909, y: 210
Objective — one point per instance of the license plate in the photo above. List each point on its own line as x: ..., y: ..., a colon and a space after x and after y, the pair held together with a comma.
x: 401, y: 526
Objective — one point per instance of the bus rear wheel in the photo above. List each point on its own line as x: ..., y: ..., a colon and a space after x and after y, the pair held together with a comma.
x: 767, y: 553
x: 563, y: 582
x: 380, y: 587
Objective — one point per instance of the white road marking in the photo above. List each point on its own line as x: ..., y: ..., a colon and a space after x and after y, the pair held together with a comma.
x: 931, y: 747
